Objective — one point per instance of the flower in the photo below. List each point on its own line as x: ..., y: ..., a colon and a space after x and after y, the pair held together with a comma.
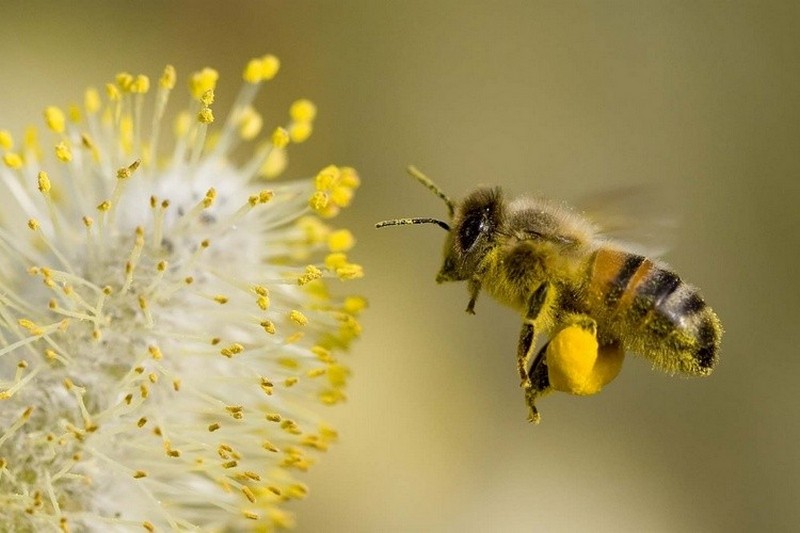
x: 168, y: 325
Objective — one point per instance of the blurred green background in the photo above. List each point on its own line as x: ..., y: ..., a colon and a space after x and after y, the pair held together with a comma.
x: 555, y: 98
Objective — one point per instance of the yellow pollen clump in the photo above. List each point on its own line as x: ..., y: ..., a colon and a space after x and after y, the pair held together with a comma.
x: 578, y: 365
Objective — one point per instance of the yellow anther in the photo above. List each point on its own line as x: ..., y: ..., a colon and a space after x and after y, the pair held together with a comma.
x: 112, y: 92
x: 33, y: 224
x: 268, y: 326
x: 250, y: 123
x: 140, y: 84
x: 280, y: 138
x: 6, y: 140
x: 233, y: 349
x: 213, y: 427
x: 275, y: 164
x: 202, y: 81
x: 303, y: 110
x: 12, y: 160
x: 300, y: 131
x: 350, y: 271
x: 265, y: 196
x: 315, y: 372
x: 167, y: 79
x: 335, y: 260
x: 205, y: 116
x: 248, y: 493
x: 354, y: 304
x: 91, y: 101
x: 139, y: 474
x: 182, y: 124
x: 253, y: 71
x: 318, y: 201
x: 43, y: 182
x: 341, y: 196
x: 220, y: 299
x: 327, y: 178
x: 208, y: 98
x: 208, y: 201
x: 155, y: 352
x: 126, y: 172
x: 31, y: 326
x: 55, y: 119
x: 269, y: 67
x: 341, y: 241
x: 104, y: 206
x: 88, y: 221
x: 298, y: 318
x: 263, y: 302
x: 312, y: 273
x: 124, y: 81
x: 63, y: 153
x: 74, y: 113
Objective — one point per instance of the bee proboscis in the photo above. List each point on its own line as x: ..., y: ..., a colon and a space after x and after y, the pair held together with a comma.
x: 555, y: 268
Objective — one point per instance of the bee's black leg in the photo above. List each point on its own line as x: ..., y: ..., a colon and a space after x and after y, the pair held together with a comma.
x: 538, y: 384
x: 527, y: 336
x: 474, y: 289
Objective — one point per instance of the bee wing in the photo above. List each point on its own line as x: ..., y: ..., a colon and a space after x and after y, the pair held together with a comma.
x: 642, y: 220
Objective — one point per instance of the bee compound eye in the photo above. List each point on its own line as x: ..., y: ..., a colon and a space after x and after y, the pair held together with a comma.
x: 470, y: 231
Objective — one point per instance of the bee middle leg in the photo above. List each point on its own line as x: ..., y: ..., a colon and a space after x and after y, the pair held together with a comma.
x: 527, y: 335
x: 538, y: 384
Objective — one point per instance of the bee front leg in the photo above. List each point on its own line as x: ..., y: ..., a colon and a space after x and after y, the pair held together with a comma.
x: 474, y: 289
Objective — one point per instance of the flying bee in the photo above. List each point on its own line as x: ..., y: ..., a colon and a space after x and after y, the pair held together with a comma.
x: 593, y: 298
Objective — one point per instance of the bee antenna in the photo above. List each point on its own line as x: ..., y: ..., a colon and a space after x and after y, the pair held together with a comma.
x: 405, y: 221
x: 431, y: 186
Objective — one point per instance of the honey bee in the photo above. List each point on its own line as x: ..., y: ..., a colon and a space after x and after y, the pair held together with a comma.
x: 555, y: 268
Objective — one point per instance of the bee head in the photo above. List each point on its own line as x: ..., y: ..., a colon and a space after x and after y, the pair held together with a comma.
x: 475, y: 221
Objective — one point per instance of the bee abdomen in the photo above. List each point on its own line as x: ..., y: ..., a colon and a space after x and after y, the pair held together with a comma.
x: 655, y: 313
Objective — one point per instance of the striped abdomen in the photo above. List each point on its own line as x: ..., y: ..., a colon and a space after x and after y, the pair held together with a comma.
x: 652, y: 312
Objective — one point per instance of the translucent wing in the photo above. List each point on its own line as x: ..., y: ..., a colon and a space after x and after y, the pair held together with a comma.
x: 643, y: 220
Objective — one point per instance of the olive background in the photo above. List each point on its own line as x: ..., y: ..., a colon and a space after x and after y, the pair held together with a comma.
x: 564, y: 99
